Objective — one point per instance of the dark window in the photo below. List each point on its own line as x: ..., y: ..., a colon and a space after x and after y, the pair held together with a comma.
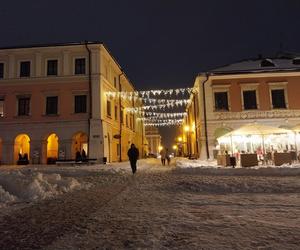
x: 221, y: 101
x: 25, y: 69
x: 115, y: 82
x: 1, y: 70
x: 52, y: 67
x: 278, y: 99
x: 126, y: 120
x: 80, y: 104
x: 23, y: 106
x: 1, y: 106
x: 108, y: 108
x: 79, y: 66
x: 267, y: 63
x: 250, y: 99
x: 116, y: 112
x: 51, y: 105
x: 122, y: 115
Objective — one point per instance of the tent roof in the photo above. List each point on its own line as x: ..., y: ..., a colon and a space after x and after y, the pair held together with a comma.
x: 257, y: 129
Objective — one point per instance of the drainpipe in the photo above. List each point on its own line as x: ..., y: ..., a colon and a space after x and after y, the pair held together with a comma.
x: 205, y: 115
x: 120, y: 106
x: 90, y: 96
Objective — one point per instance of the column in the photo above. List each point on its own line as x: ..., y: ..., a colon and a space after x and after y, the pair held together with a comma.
x: 35, y: 154
x: 8, y: 152
x: 65, y: 149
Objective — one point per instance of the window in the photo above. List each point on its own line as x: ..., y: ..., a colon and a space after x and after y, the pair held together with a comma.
x: 52, y: 68
x: 108, y: 108
x: 51, y: 105
x: 25, y: 69
x: 122, y: 115
x: 126, y: 120
x: 1, y: 70
x: 1, y: 106
x: 118, y: 149
x: 249, y: 97
x: 278, y: 99
x: 115, y: 82
x: 116, y: 112
x: 79, y: 66
x: 221, y: 101
x: 130, y: 125
x: 80, y: 104
x: 23, y: 106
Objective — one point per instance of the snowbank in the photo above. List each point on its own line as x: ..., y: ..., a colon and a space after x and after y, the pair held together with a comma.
x: 18, y: 186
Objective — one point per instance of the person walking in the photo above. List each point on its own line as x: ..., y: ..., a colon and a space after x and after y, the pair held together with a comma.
x: 163, y: 156
x: 133, y: 155
x: 168, y: 156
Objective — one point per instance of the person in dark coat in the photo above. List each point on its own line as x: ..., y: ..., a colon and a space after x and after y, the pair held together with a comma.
x: 133, y: 155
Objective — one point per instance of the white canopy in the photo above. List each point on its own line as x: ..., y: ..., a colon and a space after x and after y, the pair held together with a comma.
x: 257, y: 129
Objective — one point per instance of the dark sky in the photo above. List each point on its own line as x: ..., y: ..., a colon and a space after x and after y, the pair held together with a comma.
x: 159, y: 43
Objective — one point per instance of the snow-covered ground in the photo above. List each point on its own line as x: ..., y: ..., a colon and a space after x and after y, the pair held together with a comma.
x: 188, y: 205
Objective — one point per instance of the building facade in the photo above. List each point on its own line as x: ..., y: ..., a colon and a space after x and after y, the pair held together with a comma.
x: 154, y: 140
x: 53, y: 104
x: 263, y: 90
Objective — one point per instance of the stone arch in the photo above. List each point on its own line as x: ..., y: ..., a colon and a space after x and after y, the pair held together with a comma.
x: 221, y: 131
x: 79, y: 143
x: 21, y: 146
x: 52, y: 148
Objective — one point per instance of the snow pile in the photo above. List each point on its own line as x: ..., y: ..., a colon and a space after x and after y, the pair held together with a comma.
x: 17, y: 186
x: 186, y: 163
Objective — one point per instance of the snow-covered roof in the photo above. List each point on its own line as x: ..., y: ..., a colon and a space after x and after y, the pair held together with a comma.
x: 259, y: 65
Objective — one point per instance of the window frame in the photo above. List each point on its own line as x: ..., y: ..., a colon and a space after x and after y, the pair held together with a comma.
x: 74, y: 65
x: 221, y: 88
x: 2, y: 99
x: 279, y: 86
x: 57, y: 67
x: 19, y: 97
x: 20, y: 67
x: 108, y: 108
x: 4, y: 68
x: 250, y: 87
x: 57, y: 105
x: 86, y: 101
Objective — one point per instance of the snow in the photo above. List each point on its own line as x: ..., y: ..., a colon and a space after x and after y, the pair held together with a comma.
x: 187, y: 205
x: 26, y: 185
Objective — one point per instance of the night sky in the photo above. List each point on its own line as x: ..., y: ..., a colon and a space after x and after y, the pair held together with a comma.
x: 159, y: 43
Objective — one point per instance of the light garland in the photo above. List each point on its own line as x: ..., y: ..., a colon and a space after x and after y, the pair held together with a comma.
x: 148, y: 114
x: 176, y: 103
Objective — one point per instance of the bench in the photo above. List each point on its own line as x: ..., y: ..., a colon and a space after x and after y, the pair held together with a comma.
x: 73, y: 162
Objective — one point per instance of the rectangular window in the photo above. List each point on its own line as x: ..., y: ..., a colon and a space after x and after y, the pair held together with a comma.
x: 278, y: 99
x: 79, y: 66
x: 108, y: 108
x: 51, y: 105
x: 115, y: 82
x: 249, y: 97
x: 130, y: 125
x: 25, y: 69
x: 221, y: 101
x: 118, y: 149
x: 80, y: 104
x: 1, y: 70
x: 1, y: 106
x: 126, y: 120
x: 116, y: 112
x: 23, y: 106
x: 122, y: 115
x: 52, y: 68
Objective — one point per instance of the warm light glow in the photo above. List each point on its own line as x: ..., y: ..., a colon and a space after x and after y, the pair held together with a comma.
x: 174, y: 147
x: 186, y: 128
x: 52, y: 146
x: 180, y: 139
x: 160, y: 148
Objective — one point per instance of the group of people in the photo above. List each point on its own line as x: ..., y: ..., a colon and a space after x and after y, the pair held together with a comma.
x: 80, y: 156
x: 133, y: 155
x: 23, y: 159
x: 164, y: 155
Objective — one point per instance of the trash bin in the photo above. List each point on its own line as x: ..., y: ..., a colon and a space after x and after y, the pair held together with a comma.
x: 104, y: 160
x: 232, y: 161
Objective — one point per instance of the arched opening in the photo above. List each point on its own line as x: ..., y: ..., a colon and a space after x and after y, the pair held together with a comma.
x: 79, y: 144
x: 220, y: 147
x: 22, y: 149
x: 52, y: 149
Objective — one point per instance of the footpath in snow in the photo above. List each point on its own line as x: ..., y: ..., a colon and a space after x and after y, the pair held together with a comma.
x: 182, y: 206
